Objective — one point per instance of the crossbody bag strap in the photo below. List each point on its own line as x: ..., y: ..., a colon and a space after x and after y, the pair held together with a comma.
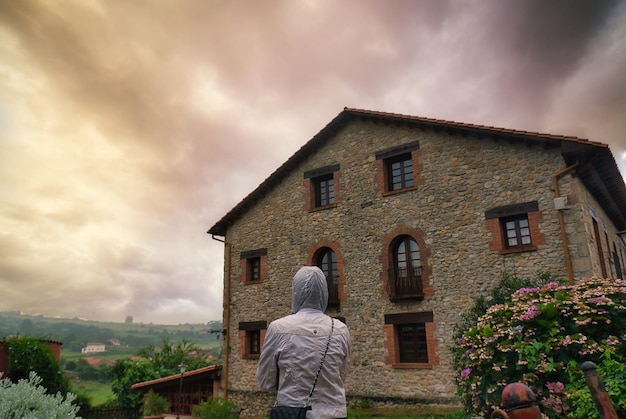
x: 332, y: 328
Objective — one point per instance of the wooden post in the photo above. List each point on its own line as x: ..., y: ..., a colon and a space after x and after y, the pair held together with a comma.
x: 598, y: 392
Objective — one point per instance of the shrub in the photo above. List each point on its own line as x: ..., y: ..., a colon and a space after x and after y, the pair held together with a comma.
x: 500, y: 294
x: 28, y: 400
x: 215, y: 408
x: 540, y: 338
x: 28, y: 354
x: 154, y: 404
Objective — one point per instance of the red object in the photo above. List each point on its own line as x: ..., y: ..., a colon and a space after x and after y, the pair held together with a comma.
x: 518, y: 402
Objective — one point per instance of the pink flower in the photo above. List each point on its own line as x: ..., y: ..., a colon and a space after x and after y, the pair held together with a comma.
x: 466, y: 372
x: 557, y: 387
x: 530, y: 313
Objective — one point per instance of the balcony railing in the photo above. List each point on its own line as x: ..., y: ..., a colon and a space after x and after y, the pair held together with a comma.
x: 404, y: 286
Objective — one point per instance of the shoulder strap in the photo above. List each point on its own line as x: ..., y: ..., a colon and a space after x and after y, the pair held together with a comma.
x: 332, y: 328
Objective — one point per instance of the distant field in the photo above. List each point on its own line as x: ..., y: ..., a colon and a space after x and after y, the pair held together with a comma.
x: 76, y: 333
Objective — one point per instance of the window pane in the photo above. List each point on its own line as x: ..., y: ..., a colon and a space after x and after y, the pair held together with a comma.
x: 517, y: 231
x: 407, y: 280
x: 412, y: 343
x: 326, y: 260
x: 254, y: 342
x: 400, y: 172
x: 324, y: 191
x: 254, y: 269
x: 408, y: 173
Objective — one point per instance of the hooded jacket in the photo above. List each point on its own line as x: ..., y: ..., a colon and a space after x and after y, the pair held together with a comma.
x: 294, y: 346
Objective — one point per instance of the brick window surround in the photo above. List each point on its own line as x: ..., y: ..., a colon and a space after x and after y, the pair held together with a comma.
x: 392, y: 349
x: 494, y: 218
x: 246, y: 259
x: 386, y: 258
x: 381, y: 178
x: 312, y: 253
x: 311, y: 185
x: 247, y: 331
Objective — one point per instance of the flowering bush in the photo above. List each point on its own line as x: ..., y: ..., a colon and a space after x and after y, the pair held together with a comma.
x: 540, y: 338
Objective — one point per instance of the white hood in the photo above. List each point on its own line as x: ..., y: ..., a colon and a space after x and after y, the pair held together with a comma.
x: 309, y: 289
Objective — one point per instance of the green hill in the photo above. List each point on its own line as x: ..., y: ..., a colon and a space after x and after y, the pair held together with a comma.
x: 76, y: 333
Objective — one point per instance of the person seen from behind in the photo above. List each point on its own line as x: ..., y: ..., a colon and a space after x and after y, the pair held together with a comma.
x: 294, y: 346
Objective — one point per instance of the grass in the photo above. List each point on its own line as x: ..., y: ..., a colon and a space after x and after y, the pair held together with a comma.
x: 98, y: 392
x: 403, y: 413
x: 406, y: 413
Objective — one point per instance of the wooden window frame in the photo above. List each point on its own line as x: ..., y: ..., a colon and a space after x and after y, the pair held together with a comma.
x: 324, y: 191
x: 383, y: 164
x: 518, y: 232
x: 331, y: 273
x: 249, y: 333
x: 253, y: 266
x: 315, y: 181
x: 414, y: 289
x: 393, y: 345
x: 496, y: 223
x: 405, y: 177
x: 419, y: 344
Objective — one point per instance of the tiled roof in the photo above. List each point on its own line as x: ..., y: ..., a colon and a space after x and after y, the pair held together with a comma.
x: 192, y: 373
x: 596, y: 166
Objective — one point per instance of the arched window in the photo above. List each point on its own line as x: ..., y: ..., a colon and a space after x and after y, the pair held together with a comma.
x: 406, y: 279
x: 326, y: 260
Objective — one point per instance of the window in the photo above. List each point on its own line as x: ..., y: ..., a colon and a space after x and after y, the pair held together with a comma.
x: 253, y: 342
x: 326, y: 260
x: 400, y: 172
x: 410, y: 339
x: 322, y: 187
x: 250, y: 338
x: 253, y: 266
x: 515, y: 228
x: 517, y: 231
x: 397, y: 168
x: 324, y: 190
x: 598, y: 238
x: 412, y: 345
x: 254, y: 269
x: 406, y: 278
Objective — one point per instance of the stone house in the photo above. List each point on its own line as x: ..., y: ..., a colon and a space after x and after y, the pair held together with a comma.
x: 411, y: 219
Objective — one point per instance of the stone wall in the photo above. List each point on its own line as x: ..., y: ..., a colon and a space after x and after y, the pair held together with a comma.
x: 459, y: 179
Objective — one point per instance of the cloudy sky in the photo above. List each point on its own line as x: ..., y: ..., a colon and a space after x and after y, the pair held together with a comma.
x: 128, y: 127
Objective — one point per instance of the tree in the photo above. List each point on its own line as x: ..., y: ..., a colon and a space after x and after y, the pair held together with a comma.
x: 124, y: 374
x: 540, y: 338
x: 27, y: 399
x: 28, y: 354
x: 155, y: 363
x: 129, y: 319
x: 169, y: 356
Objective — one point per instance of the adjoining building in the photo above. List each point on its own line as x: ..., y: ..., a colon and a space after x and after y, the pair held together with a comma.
x: 411, y: 219
x: 186, y: 390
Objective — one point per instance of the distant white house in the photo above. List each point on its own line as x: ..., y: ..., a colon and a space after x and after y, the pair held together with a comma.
x: 93, y: 347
